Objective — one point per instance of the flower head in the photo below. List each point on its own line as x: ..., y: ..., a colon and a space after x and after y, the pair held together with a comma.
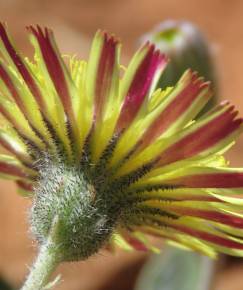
x: 109, y: 159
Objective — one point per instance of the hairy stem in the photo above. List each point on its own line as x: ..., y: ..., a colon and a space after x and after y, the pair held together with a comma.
x: 43, y: 267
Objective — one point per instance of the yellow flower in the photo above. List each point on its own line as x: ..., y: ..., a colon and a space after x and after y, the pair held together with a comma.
x: 112, y: 160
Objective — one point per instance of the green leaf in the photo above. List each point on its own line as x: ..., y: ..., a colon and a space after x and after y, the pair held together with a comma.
x: 176, y: 269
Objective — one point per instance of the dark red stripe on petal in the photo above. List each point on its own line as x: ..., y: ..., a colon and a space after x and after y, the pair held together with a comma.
x: 28, y: 139
x: 202, y: 138
x: 140, y: 86
x: 210, y: 180
x: 25, y: 186
x: 53, y: 65
x: 105, y: 71
x: 10, y: 86
x: 15, y: 95
x: 211, y: 215
x: 135, y: 243
x: 21, y: 67
x: 208, y: 237
x: 217, y: 108
x: 16, y: 125
x: 192, y: 197
x: 10, y: 118
x: 10, y: 147
x: 175, y: 109
x: 10, y: 169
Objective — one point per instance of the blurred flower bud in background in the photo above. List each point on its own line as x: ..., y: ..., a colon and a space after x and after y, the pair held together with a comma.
x: 186, y: 47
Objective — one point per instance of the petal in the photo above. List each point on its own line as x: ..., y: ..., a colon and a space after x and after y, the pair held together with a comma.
x: 211, y: 215
x: 173, y: 194
x: 179, y: 240
x: 34, y: 98
x: 12, y: 88
x: 221, y: 242
x: 205, y: 210
x: 136, y: 89
x: 55, y: 67
x: 103, y: 72
x: 59, y: 87
x: 11, y: 54
x: 174, y: 109
x: 213, y: 133
x: 7, y: 81
x: 25, y: 188
x: 103, y: 88
x: 10, y: 140
x: 207, y: 136
x: 133, y: 241
x: 182, y: 104
x: 138, y: 82
x: 206, y: 177
x: 121, y: 242
x: 13, y: 115
x: 11, y: 168
x: 194, y: 228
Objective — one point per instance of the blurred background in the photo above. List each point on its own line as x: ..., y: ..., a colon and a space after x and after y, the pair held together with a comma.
x: 74, y: 23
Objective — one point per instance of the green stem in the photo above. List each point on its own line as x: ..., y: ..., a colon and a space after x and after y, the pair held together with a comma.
x: 45, y: 264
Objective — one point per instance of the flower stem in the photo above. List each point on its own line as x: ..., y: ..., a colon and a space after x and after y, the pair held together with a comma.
x: 45, y: 264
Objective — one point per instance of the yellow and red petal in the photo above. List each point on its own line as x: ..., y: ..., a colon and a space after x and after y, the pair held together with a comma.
x: 56, y: 86
x: 103, y: 89
x: 11, y: 89
x: 10, y: 111
x: 211, y: 215
x: 178, y: 239
x: 25, y: 89
x: 103, y: 72
x: 55, y: 66
x: 11, y: 168
x: 10, y: 140
x: 176, y: 109
x: 206, y: 177
x: 12, y: 56
x: 213, y: 211
x: 25, y: 188
x: 206, y: 136
x: 182, y: 104
x: 220, y: 241
x: 138, y: 83
x: 191, y: 228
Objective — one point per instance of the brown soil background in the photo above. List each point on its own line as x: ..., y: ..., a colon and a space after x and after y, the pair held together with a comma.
x: 74, y: 23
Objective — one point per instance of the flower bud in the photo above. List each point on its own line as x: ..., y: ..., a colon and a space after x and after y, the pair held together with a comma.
x: 186, y: 47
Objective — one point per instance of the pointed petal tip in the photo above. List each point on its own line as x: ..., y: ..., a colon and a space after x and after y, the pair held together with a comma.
x: 38, y: 30
x: 151, y: 48
x: 150, y: 64
x: 55, y: 66
x: 225, y: 102
x: 109, y: 38
x: 3, y: 28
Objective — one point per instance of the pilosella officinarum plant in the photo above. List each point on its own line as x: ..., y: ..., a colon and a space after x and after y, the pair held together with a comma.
x: 107, y: 159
